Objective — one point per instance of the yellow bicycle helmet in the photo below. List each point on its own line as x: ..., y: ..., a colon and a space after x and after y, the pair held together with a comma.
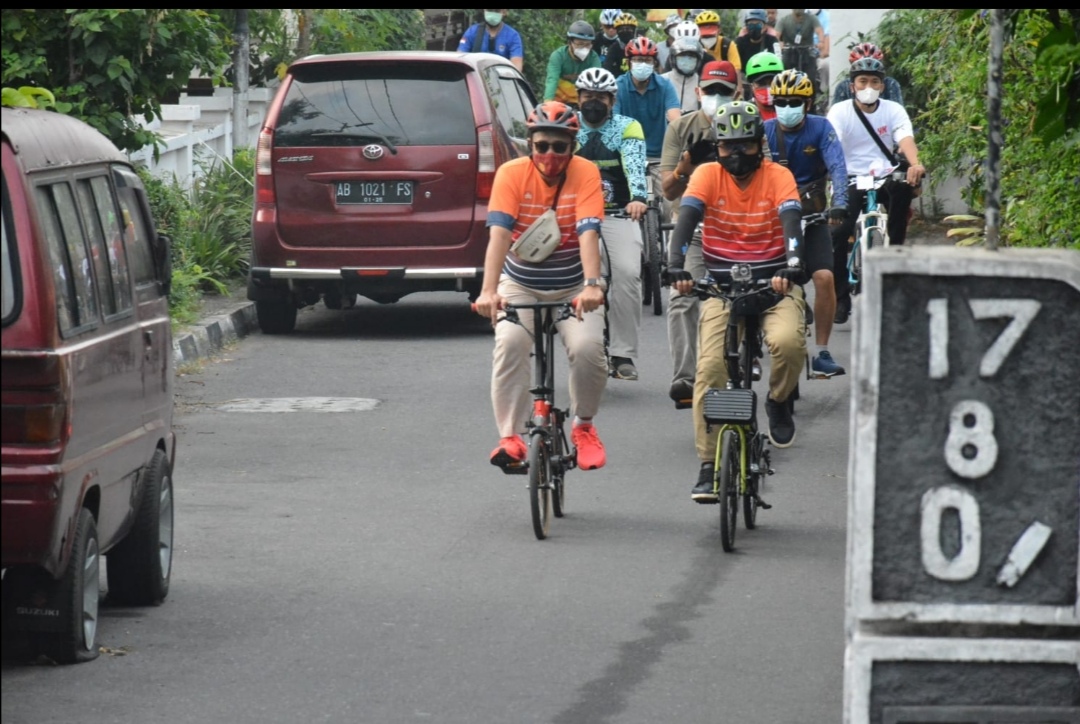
x: 707, y: 17
x: 792, y: 83
x: 626, y: 19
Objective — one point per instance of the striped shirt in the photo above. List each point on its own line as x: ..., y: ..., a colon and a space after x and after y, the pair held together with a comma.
x: 742, y: 226
x: 520, y: 196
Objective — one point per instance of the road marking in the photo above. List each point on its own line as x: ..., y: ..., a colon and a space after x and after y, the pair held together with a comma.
x: 1023, y: 554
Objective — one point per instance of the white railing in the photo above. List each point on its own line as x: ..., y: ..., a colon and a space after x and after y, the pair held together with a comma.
x: 198, y: 130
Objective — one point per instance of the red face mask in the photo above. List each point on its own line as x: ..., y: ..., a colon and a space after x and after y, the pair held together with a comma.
x: 551, y: 164
x: 763, y: 96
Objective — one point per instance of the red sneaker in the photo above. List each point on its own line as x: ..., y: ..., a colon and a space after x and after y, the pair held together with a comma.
x: 590, y: 451
x: 510, y: 454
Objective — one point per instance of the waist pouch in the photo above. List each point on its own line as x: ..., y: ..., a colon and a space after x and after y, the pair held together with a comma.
x: 813, y: 196
x: 541, y: 238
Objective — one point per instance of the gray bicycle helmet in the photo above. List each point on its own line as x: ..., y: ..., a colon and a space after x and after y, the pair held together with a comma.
x: 738, y: 120
x: 755, y: 14
x: 682, y: 46
x: 598, y: 80
x: 580, y: 30
x: 671, y: 21
x: 867, y: 66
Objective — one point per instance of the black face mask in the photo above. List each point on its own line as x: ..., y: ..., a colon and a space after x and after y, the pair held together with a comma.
x: 755, y: 33
x: 739, y: 164
x: 626, y: 36
x: 594, y: 111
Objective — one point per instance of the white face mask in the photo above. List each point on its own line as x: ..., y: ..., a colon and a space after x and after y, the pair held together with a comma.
x: 709, y: 42
x: 867, y: 96
x: 710, y: 104
x: 686, y: 64
x: 582, y: 53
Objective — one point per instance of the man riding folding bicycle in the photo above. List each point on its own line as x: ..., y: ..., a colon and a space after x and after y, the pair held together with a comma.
x: 752, y: 215
x: 551, y: 199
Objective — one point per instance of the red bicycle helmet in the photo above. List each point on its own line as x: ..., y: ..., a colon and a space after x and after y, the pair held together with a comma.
x: 641, y: 46
x: 553, y: 116
x: 865, y: 50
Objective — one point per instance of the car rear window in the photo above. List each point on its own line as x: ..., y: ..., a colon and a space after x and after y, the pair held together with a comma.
x: 407, y: 104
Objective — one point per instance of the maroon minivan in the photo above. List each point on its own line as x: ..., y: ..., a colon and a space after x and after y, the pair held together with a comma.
x: 86, y: 388
x: 373, y: 175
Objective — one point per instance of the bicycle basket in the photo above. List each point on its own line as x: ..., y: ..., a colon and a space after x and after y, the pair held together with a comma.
x: 730, y: 407
x: 751, y: 305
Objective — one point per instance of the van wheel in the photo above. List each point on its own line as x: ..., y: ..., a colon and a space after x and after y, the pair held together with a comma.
x: 141, y: 564
x: 276, y: 315
x: 79, y: 592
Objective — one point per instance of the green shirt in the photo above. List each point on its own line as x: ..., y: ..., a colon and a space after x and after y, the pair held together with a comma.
x: 562, y: 72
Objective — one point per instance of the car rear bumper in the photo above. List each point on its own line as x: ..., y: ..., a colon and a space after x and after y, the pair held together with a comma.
x: 360, y: 274
x: 29, y: 504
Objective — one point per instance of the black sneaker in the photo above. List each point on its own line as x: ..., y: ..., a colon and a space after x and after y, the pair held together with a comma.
x: 704, y: 491
x: 843, y: 310
x: 781, y: 424
x: 681, y: 390
x: 622, y: 368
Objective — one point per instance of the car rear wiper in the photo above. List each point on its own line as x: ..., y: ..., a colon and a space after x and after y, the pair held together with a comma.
x: 357, y: 134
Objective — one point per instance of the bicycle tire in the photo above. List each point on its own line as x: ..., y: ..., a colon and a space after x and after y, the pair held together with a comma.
x: 875, y: 238
x: 856, y: 267
x: 652, y: 249
x: 728, y: 489
x: 558, y: 469
x: 540, y: 486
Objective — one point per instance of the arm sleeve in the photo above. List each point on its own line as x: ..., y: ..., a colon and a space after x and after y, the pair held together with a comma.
x: 554, y: 70
x: 791, y: 220
x: 690, y: 215
x: 465, y: 45
x: 833, y: 153
x: 516, y: 50
x: 590, y: 196
x: 632, y: 150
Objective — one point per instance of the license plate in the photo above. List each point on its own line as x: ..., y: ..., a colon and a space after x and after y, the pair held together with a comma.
x: 375, y: 192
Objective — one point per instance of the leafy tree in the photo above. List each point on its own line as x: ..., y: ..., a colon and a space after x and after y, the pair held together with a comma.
x: 107, y: 66
x: 940, y: 59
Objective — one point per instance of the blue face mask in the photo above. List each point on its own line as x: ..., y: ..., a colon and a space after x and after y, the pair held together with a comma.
x: 788, y: 116
x: 686, y: 64
x: 641, y: 71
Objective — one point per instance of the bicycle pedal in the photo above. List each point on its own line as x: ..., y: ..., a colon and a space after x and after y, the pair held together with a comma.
x: 508, y: 465
x: 684, y: 404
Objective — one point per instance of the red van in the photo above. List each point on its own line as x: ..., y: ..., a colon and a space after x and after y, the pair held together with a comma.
x: 86, y: 388
x: 373, y: 174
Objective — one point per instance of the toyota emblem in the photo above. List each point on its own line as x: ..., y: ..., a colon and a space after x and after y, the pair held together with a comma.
x: 373, y: 152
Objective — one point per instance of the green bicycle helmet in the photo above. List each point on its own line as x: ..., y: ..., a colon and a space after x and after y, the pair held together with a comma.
x: 738, y: 120
x: 763, y: 63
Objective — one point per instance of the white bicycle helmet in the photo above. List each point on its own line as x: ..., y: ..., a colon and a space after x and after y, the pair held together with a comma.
x: 686, y: 29
x: 597, y: 80
x: 607, y: 17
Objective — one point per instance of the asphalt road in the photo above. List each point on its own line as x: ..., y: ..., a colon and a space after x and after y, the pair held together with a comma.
x: 371, y: 566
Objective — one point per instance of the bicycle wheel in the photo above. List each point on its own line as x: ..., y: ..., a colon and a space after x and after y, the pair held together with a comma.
x: 855, y: 265
x: 729, y: 488
x: 875, y: 238
x: 540, y: 486
x: 652, y: 251
x: 558, y: 466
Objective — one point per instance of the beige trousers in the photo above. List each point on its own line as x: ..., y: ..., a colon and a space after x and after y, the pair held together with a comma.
x: 785, y: 341
x: 511, y: 372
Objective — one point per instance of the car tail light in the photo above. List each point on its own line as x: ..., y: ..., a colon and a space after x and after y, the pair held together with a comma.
x: 485, y: 171
x: 264, y: 172
x: 32, y: 424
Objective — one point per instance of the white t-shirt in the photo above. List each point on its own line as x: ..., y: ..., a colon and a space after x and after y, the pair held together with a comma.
x: 861, y: 152
x: 684, y: 89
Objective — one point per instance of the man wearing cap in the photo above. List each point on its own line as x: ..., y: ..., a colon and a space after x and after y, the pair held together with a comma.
x: 690, y: 141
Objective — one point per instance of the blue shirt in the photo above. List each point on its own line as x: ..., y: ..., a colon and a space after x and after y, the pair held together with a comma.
x: 812, y: 151
x: 507, y: 41
x: 649, y: 108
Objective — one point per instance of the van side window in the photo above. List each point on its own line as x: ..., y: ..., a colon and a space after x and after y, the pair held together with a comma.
x: 11, y: 286
x: 106, y: 243
x: 136, y: 230
x: 71, y: 263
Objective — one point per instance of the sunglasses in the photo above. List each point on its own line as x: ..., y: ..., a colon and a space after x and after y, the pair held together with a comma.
x: 559, y: 147
x: 717, y: 89
x: 787, y: 102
